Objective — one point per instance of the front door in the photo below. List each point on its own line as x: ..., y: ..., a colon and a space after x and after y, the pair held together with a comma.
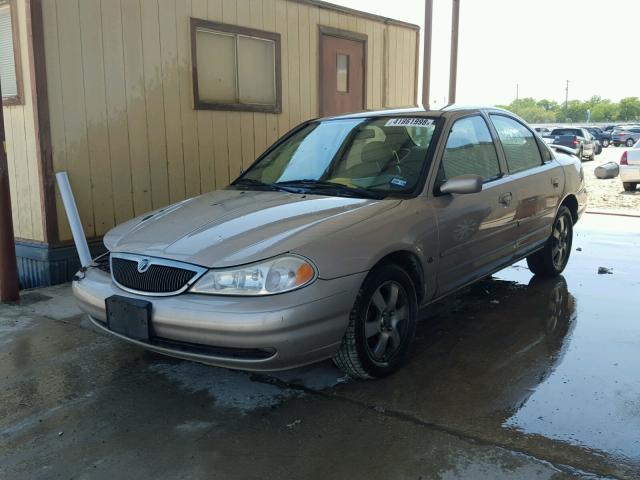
x: 342, y: 73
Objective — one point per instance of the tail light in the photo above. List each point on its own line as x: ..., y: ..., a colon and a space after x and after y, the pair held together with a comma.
x: 575, y: 140
x: 623, y: 159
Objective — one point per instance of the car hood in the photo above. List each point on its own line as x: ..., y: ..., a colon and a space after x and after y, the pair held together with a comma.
x: 231, y: 227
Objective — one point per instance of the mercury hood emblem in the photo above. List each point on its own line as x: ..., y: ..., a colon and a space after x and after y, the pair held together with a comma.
x: 143, y: 265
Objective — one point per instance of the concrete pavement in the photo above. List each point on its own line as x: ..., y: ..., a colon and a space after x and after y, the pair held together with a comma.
x: 511, y: 378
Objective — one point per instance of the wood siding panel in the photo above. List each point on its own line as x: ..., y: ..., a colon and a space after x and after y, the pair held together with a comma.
x: 314, y: 59
x: 96, y: 111
x: 56, y: 110
x: 219, y: 119
x: 234, y: 142
x: 188, y: 114
x: 256, y: 20
x: 117, y: 120
x: 153, y: 88
x: 132, y: 140
x: 75, y: 120
x: 31, y: 150
x: 204, y: 122
x: 304, y: 52
x: 171, y: 90
x: 20, y: 137
x: 269, y: 24
x: 247, y: 137
x: 136, y: 107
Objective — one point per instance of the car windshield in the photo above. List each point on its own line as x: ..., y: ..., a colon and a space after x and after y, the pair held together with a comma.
x: 348, y: 156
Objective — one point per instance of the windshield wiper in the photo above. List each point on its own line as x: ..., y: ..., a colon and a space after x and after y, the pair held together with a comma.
x: 257, y: 183
x: 336, y: 188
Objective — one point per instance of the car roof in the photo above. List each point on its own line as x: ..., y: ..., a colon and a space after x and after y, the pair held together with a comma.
x: 418, y: 111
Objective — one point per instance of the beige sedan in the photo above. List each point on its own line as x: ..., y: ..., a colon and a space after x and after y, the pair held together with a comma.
x: 330, y: 242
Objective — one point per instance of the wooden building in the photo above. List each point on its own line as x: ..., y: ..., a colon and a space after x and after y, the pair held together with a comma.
x: 148, y: 102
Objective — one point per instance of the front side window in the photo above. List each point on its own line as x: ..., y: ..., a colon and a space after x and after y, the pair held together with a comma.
x: 235, y: 68
x: 384, y: 155
x: 8, y: 56
x: 519, y: 144
x: 469, y: 150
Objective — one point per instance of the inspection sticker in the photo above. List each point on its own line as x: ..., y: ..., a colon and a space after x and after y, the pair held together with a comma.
x: 399, y: 181
x: 409, y: 122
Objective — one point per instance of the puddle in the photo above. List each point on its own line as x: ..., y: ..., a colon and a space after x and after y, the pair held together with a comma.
x: 227, y: 388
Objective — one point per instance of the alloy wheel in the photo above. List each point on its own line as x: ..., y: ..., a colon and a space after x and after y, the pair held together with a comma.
x: 560, y: 237
x: 386, y: 320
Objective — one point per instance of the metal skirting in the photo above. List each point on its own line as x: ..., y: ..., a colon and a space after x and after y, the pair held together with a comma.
x: 41, y: 265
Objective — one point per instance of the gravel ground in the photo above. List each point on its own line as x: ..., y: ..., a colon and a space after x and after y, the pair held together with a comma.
x: 609, y: 193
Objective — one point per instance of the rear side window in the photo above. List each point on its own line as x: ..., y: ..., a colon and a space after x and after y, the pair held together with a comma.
x: 519, y: 144
x: 470, y: 150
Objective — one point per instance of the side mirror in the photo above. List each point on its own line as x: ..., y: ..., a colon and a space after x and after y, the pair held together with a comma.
x: 462, y: 184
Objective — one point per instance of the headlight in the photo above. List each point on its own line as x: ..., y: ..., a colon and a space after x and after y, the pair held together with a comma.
x: 280, y: 274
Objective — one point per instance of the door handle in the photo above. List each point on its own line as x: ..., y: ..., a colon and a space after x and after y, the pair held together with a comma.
x: 505, y: 198
x: 555, y: 181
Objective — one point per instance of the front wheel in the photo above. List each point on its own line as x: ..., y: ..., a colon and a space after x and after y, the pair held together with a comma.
x: 553, y: 258
x: 605, y: 143
x: 629, y: 186
x: 382, y: 324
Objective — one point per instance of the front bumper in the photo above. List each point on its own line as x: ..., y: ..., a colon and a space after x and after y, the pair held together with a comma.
x: 630, y: 173
x: 294, y: 328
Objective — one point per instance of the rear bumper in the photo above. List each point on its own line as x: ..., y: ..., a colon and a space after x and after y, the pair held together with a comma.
x: 630, y: 173
x: 287, y: 330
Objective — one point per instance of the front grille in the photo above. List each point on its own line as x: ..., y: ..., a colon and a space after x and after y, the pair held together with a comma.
x: 157, y: 279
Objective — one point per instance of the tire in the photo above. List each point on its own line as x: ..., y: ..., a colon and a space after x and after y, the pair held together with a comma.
x: 605, y: 143
x: 580, y: 154
x: 379, y: 334
x: 592, y: 157
x: 629, y: 186
x: 553, y: 258
x: 629, y: 143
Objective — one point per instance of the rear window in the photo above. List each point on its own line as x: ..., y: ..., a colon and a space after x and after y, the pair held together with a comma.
x: 566, y: 131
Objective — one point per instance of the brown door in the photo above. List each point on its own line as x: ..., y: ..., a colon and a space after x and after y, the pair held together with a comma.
x: 341, y: 75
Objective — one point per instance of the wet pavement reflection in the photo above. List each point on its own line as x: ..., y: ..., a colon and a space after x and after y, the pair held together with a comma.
x: 555, y: 360
x: 513, y: 377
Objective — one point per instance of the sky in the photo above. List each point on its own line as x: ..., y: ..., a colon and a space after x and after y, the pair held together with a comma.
x: 536, y: 45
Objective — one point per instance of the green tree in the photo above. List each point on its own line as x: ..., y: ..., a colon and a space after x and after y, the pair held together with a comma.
x: 605, y: 111
x: 576, y: 111
x: 629, y: 109
x: 549, y: 105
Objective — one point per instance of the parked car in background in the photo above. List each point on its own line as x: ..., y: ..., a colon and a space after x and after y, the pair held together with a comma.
x: 600, y: 135
x: 626, y: 135
x: 579, y: 139
x: 330, y: 242
x: 630, y: 167
x: 542, y: 131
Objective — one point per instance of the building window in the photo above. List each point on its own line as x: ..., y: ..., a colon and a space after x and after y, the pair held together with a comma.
x: 235, y: 68
x: 9, y: 55
x: 342, y: 72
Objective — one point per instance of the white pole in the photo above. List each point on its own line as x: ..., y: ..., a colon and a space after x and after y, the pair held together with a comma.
x: 74, y: 219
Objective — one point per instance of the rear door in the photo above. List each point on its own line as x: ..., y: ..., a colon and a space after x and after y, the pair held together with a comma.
x: 535, y: 178
x: 476, y: 231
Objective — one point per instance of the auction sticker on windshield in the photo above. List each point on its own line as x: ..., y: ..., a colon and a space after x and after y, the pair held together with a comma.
x: 409, y: 122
